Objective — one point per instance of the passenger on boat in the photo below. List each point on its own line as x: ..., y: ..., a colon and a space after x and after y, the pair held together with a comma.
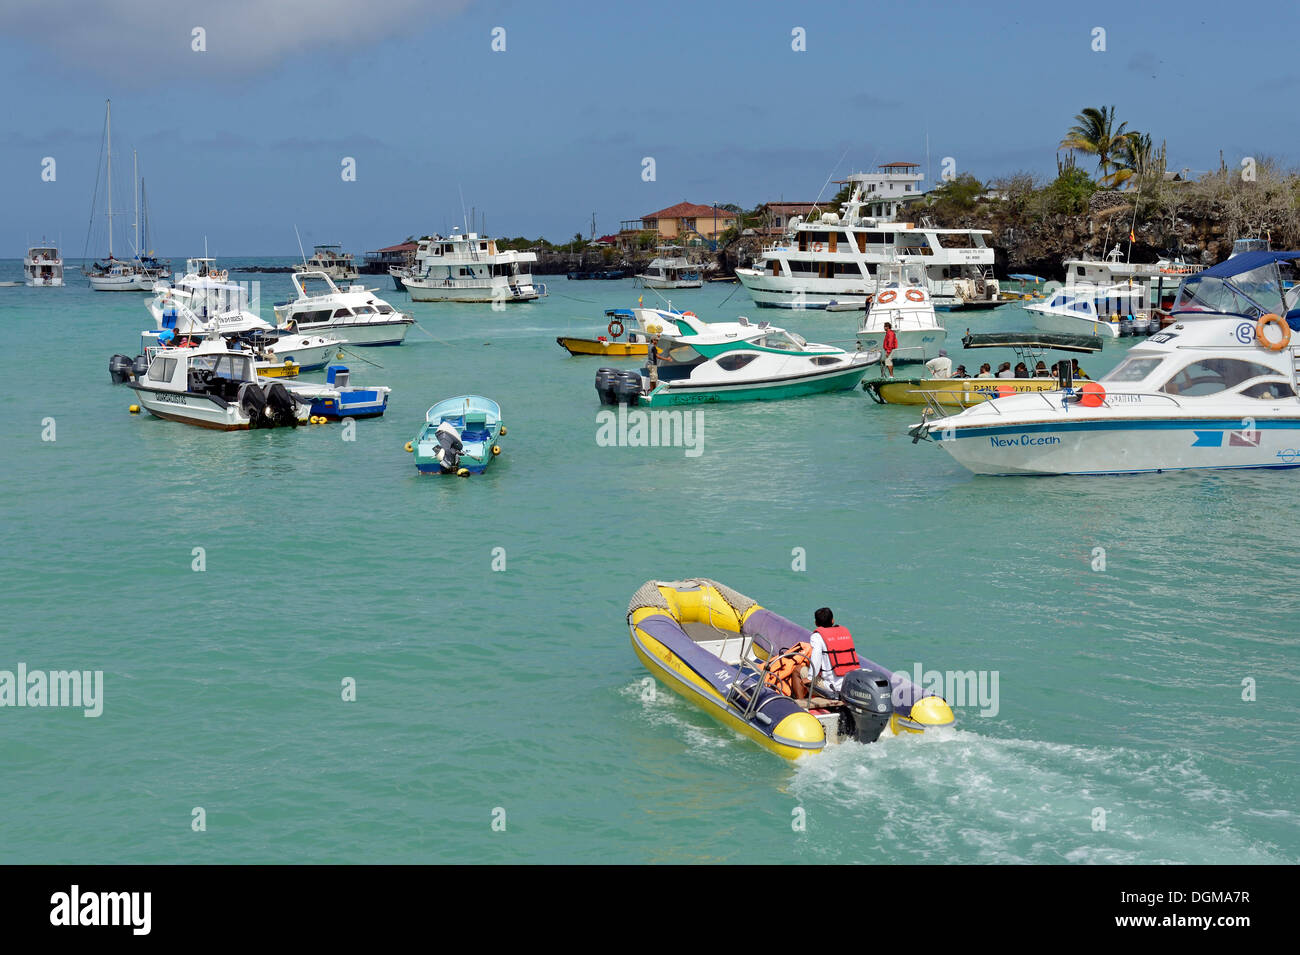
x: 986, y: 371
x: 1004, y: 370
x: 891, y: 343
x: 1040, y: 370
x: 961, y: 372
x: 941, y: 366
x: 1078, y: 372
x: 833, y: 653
x: 1021, y: 370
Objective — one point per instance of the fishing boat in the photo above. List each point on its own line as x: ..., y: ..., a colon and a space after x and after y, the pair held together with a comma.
x: 1087, y: 310
x: 736, y: 361
x: 345, y: 400
x: 905, y: 304
x: 333, y: 261
x: 466, y: 267
x: 355, y: 313
x: 715, y: 647
x: 943, y: 394
x: 671, y: 269
x: 634, y: 321
x: 459, y: 436
x: 1217, y: 389
x: 43, y: 266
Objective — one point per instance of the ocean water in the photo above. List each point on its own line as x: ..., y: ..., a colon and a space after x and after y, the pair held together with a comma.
x: 500, y: 714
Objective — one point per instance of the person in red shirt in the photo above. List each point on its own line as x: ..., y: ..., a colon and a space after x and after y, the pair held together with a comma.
x: 891, y: 343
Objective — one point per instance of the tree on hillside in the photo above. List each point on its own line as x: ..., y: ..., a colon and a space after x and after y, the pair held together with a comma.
x: 1095, y: 132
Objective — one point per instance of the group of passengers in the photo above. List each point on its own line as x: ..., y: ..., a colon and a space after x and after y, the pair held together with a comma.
x: 941, y: 367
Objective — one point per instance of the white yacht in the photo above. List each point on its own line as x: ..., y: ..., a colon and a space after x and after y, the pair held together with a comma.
x: 466, y: 267
x: 355, y: 313
x: 1159, y: 280
x: 671, y: 269
x: 905, y: 304
x: 835, y: 258
x: 43, y: 266
x: 205, y: 301
x: 1087, y: 310
x: 333, y: 261
x: 113, y: 274
x: 1217, y: 389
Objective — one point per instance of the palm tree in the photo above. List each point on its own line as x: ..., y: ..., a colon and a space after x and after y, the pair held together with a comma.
x: 1094, y: 131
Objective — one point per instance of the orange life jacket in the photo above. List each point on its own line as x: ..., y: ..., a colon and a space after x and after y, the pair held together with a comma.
x: 784, y: 676
x: 839, y: 646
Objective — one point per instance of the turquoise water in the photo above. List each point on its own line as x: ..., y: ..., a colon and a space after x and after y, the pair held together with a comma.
x: 516, y: 689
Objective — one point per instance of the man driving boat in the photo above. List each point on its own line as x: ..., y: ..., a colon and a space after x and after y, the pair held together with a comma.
x: 833, y: 652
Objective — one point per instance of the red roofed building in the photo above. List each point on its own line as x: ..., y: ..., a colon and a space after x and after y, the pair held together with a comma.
x: 684, y: 221
x: 379, y: 261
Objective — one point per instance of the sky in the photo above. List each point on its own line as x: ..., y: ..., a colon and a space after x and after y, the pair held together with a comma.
x: 247, y: 138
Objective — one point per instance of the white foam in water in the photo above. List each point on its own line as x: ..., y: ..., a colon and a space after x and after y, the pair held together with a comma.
x: 962, y: 797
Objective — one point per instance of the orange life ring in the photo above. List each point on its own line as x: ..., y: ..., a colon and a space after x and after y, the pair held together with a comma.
x: 915, y: 295
x: 611, y: 325
x: 817, y: 246
x: 887, y: 296
x: 1273, y: 319
x: 689, y: 315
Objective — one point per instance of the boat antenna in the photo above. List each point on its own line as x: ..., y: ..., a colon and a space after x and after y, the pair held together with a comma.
x: 831, y: 176
x: 94, y: 198
x: 463, y: 220
x: 1133, y: 225
x: 300, y: 248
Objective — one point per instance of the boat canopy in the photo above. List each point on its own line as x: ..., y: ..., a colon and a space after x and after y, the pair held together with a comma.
x: 1038, y: 340
x: 1249, y: 284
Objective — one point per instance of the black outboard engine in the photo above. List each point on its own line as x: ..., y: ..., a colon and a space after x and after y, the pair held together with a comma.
x: 140, y: 366
x: 605, y: 378
x: 119, y: 369
x: 280, y: 406
x: 252, y: 399
x: 867, y: 698
x: 450, y: 445
x: 627, y: 388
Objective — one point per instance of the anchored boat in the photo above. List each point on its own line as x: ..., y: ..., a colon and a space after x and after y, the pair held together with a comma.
x: 354, y: 314
x: 459, y: 436
x: 1217, y: 389
x: 716, y: 647
x: 705, y: 362
x: 903, y: 303
x: 635, y: 321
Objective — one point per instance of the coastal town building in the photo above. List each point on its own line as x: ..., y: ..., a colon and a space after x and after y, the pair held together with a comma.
x: 685, y: 223
x: 887, y: 190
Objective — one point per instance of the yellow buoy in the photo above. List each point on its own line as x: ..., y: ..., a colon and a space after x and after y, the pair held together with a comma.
x: 496, y: 449
x: 463, y: 472
x: 503, y: 431
x: 134, y: 409
x: 339, y: 356
x: 409, y: 446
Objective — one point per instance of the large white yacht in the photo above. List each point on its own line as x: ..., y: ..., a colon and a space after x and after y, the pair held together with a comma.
x: 43, y: 266
x: 1159, y: 280
x: 834, y: 257
x: 466, y: 267
x: 333, y: 261
x: 354, y: 313
x: 671, y: 269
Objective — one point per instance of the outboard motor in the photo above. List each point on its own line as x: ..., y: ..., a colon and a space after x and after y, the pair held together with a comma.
x: 140, y: 366
x: 119, y: 369
x: 1064, y: 375
x: 280, y: 406
x: 867, y: 698
x: 252, y: 399
x: 449, y: 446
x: 605, y: 378
x: 627, y: 388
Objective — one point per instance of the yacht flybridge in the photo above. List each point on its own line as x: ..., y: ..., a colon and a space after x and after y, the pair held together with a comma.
x: 333, y: 261
x: 1216, y: 389
x: 466, y: 267
x: 354, y: 313
x: 835, y: 258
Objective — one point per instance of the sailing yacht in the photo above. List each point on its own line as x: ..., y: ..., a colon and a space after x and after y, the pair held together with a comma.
x: 114, y: 274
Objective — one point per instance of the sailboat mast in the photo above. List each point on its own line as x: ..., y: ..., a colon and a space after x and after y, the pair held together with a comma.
x: 135, y: 192
x: 109, y: 127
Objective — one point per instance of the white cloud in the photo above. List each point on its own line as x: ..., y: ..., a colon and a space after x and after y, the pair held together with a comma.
x: 148, y: 39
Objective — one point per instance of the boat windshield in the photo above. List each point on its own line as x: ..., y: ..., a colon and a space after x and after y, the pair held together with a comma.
x: 781, y: 341
x: 1132, y: 369
x: 1209, y: 376
x: 1251, y: 294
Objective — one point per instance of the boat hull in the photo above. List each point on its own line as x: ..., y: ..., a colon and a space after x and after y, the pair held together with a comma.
x: 367, y: 335
x: 1090, y: 446
x: 434, y: 292
x: 1070, y: 325
x: 594, y: 346
x: 681, y: 393
x: 953, y: 392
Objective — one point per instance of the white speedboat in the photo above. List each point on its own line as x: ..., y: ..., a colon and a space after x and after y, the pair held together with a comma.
x: 905, y: 304
x: 354, y: 313
x: 1087, y: 310
x: 698, y: 362
x: 671, y: 269
x: 465, y: 267
x: 43, y: 266
x: 1216, y: 389
x: 333, y: 261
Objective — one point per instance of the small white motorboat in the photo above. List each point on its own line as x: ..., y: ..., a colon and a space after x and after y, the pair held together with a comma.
x: 355, y: 313
x: 904, y: 302
x: 43, y: 266
x: 1087, y: 310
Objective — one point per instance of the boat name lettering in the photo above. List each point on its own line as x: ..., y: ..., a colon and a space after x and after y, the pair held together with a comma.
x: 1024, y: 441
x: 169, y: 399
